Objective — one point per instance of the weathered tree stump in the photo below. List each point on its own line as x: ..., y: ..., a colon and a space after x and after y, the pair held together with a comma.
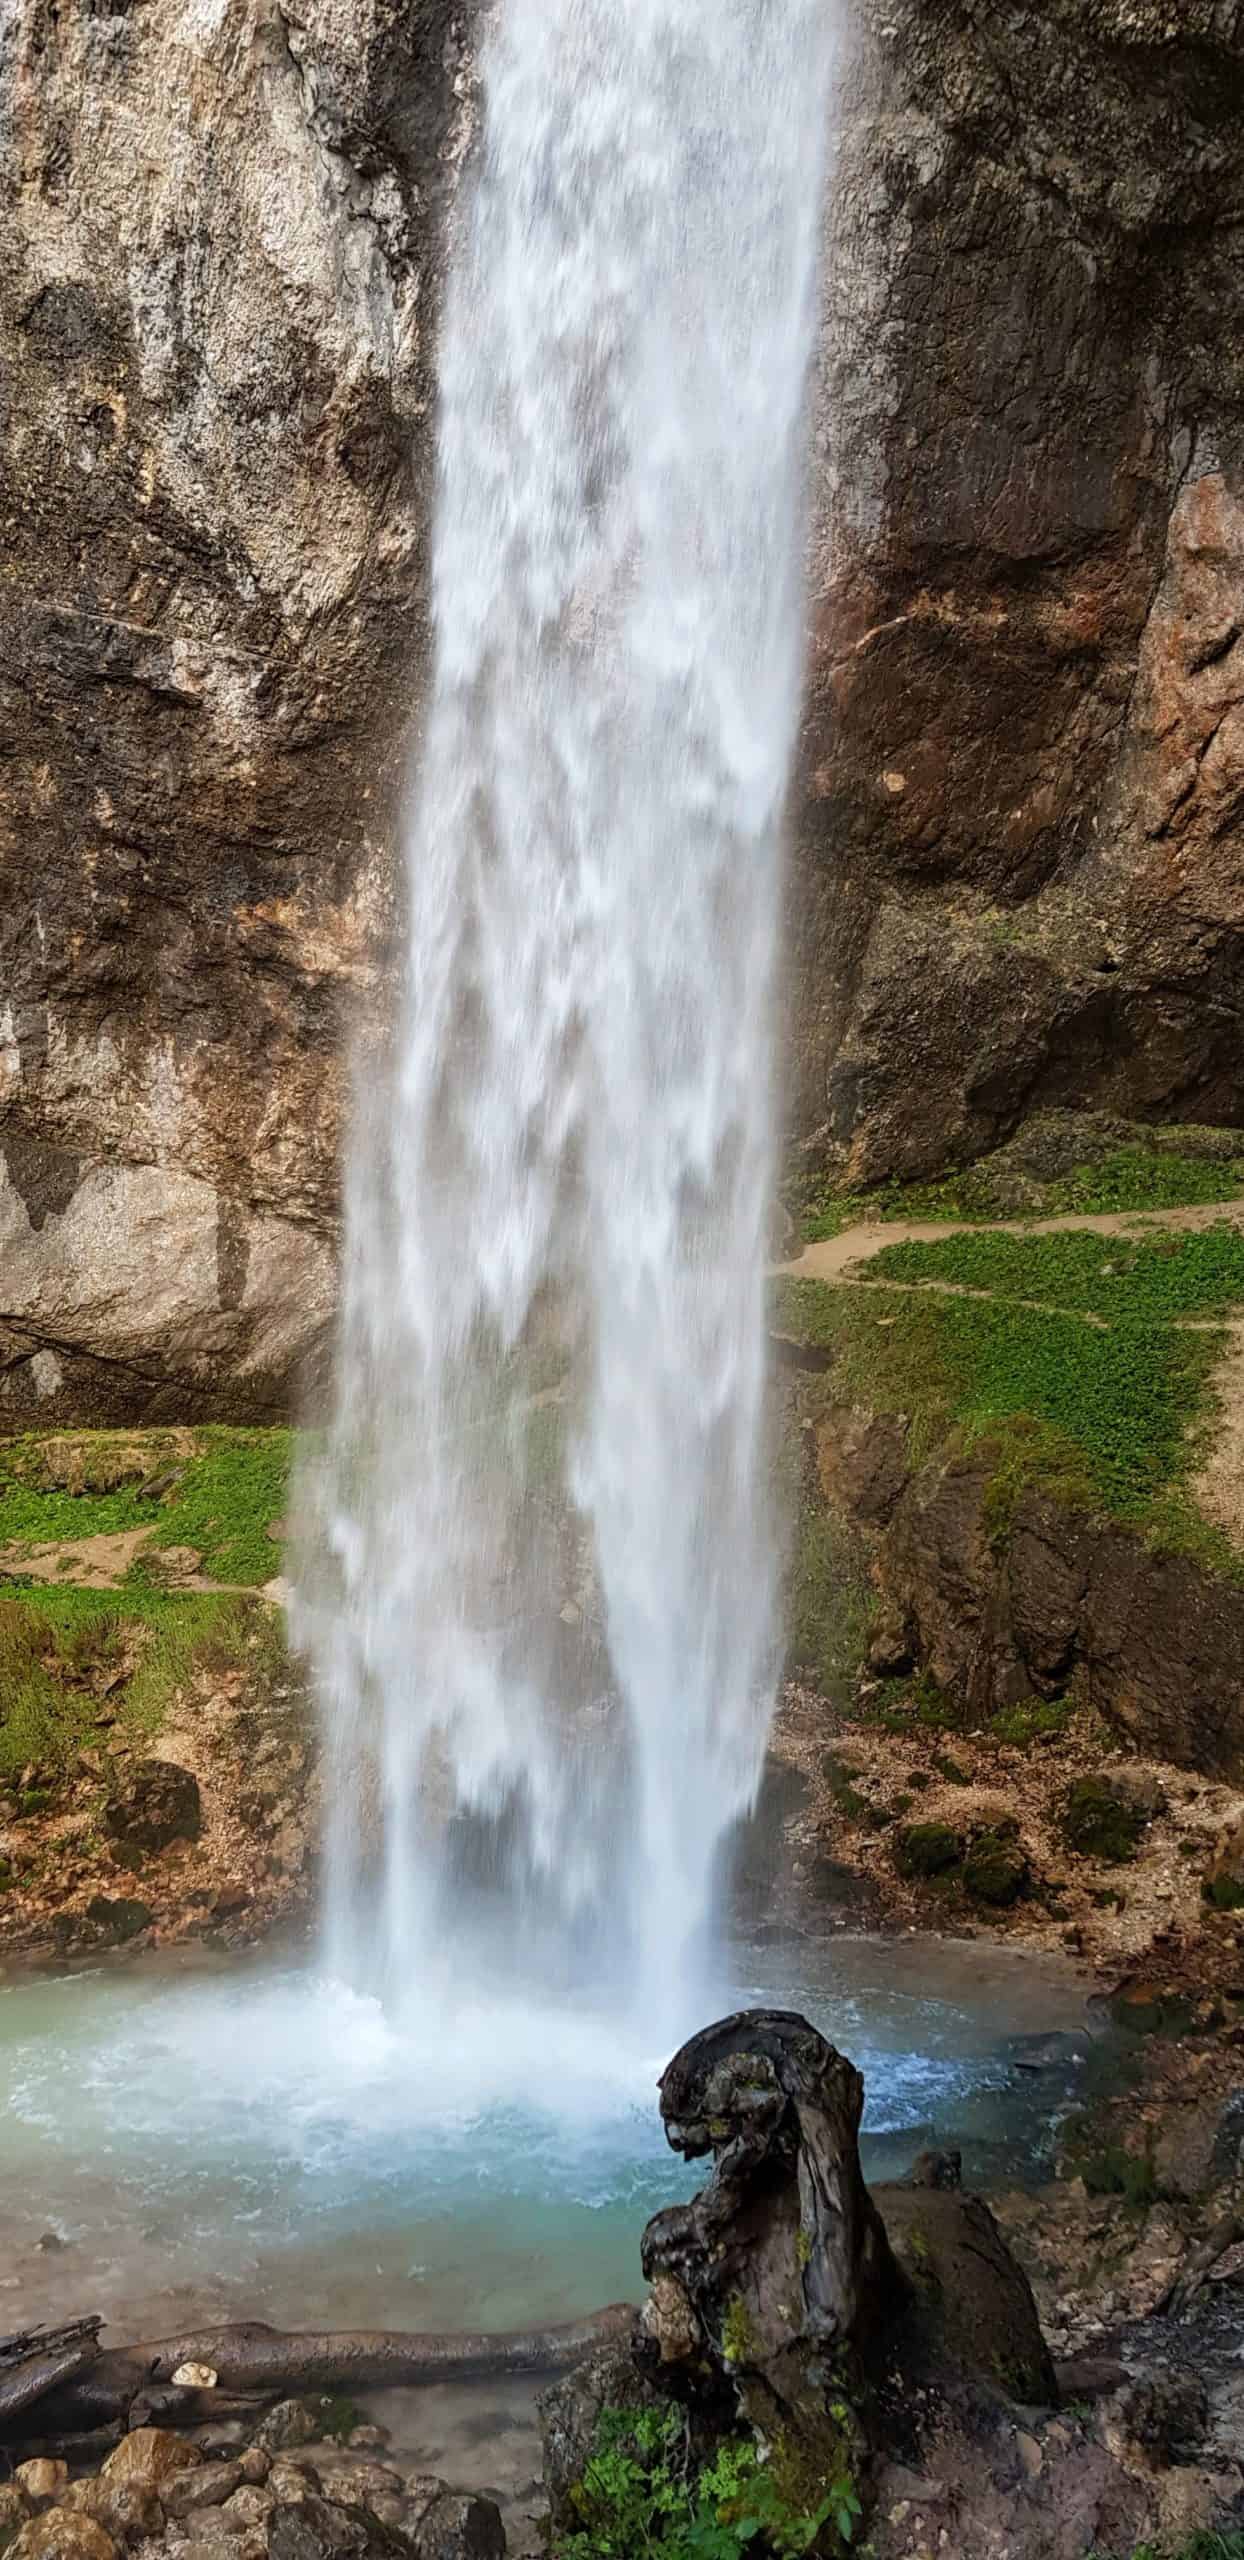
x: 783, y: 2251
x: 782, y: 2305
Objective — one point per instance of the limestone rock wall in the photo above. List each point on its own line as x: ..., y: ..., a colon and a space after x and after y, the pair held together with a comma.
x: 1018, y: 867
x: 220, y: 239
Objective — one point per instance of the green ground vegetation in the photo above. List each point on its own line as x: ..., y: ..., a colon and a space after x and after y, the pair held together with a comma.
x: 1147, y: 1172
x: 1102, y: 1417
x: 215, y: 1489
x: 69, y: 1656
x: 1149, y: 1280
x: 642, y: 2498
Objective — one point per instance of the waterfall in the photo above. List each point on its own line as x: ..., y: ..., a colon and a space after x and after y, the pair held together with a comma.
x: 540, y: 1593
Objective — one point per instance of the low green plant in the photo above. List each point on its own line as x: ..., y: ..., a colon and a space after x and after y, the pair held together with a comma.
x: 641, y: 2498
x: 1223, y: 1893
x: 1141, y: 1280
x: 830, y: 1602
x: 216, y: 1489
x: 1103, y: 1418
x: 1038, y: 1720
x: 1138, y: 1175
x: 1205, y: 2545
x: 64, y: 1652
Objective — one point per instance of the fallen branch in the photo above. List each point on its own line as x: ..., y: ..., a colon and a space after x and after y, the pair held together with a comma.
x: 274, y: 2363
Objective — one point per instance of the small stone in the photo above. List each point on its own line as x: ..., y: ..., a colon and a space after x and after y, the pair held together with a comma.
x: 154, y: 1803
x: 42, y: 2480
x: 291, y: 2482
x: 151, y: 2455
x: 125, y: 2508
x: 368, y: 2439
x: 359, y: 2484
x: 1030, y: 2454
x: 60, y: 2534
x: 49, y: 2242
x: 252, y: 2503
x: 291, y: 2422
x: 197, y: 2377
x: 461, y: 2527
x: 209, y: 2486
x: 119, y: 1917
x: 255, y: 2464
x: 316, y: 2530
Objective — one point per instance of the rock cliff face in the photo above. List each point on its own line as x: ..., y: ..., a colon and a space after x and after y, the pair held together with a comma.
x: 219, y: 252
x: 1019, y: 867
x: 1021, y: 829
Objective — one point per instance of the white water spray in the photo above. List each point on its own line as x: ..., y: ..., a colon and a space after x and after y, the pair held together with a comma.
x: 543, y: 1610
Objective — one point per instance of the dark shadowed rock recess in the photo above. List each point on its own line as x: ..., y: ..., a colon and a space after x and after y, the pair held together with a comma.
x: 1017, y: 877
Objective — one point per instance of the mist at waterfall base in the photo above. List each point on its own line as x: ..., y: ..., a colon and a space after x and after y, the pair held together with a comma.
x: 539, y: 1591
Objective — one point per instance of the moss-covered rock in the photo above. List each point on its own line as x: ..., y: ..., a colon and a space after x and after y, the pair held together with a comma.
x: 996, y: 1869
x: 971, y: 2301
x: 927, y: 1849
x: 1101, y: 1820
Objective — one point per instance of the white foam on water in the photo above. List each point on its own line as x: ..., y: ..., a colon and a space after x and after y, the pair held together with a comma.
x: 544, y: 1632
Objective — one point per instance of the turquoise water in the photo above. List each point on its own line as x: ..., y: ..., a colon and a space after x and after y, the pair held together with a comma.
x: 219, y: 2139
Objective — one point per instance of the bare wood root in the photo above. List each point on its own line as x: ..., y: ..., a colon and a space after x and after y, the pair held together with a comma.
x: 1200, y: 2262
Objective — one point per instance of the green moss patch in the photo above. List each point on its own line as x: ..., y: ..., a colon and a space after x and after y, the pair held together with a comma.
x: 1100, y: 1823
x: 216, y: 1490
x: 923, y: 1849
x: 1098, y: 1417
x: 69, y: 1656
x: 1154, y: 1280
x: 1037, y: 1721
x: 995, y: 1870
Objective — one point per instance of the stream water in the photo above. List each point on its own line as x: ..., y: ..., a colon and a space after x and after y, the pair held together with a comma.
x: 224, y: 2138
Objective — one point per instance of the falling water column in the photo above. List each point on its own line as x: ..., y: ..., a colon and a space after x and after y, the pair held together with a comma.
x: 551, y: 1376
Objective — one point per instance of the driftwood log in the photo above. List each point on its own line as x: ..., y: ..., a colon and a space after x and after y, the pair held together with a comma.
x: 37, y: 2361
x: 97, y: 2388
